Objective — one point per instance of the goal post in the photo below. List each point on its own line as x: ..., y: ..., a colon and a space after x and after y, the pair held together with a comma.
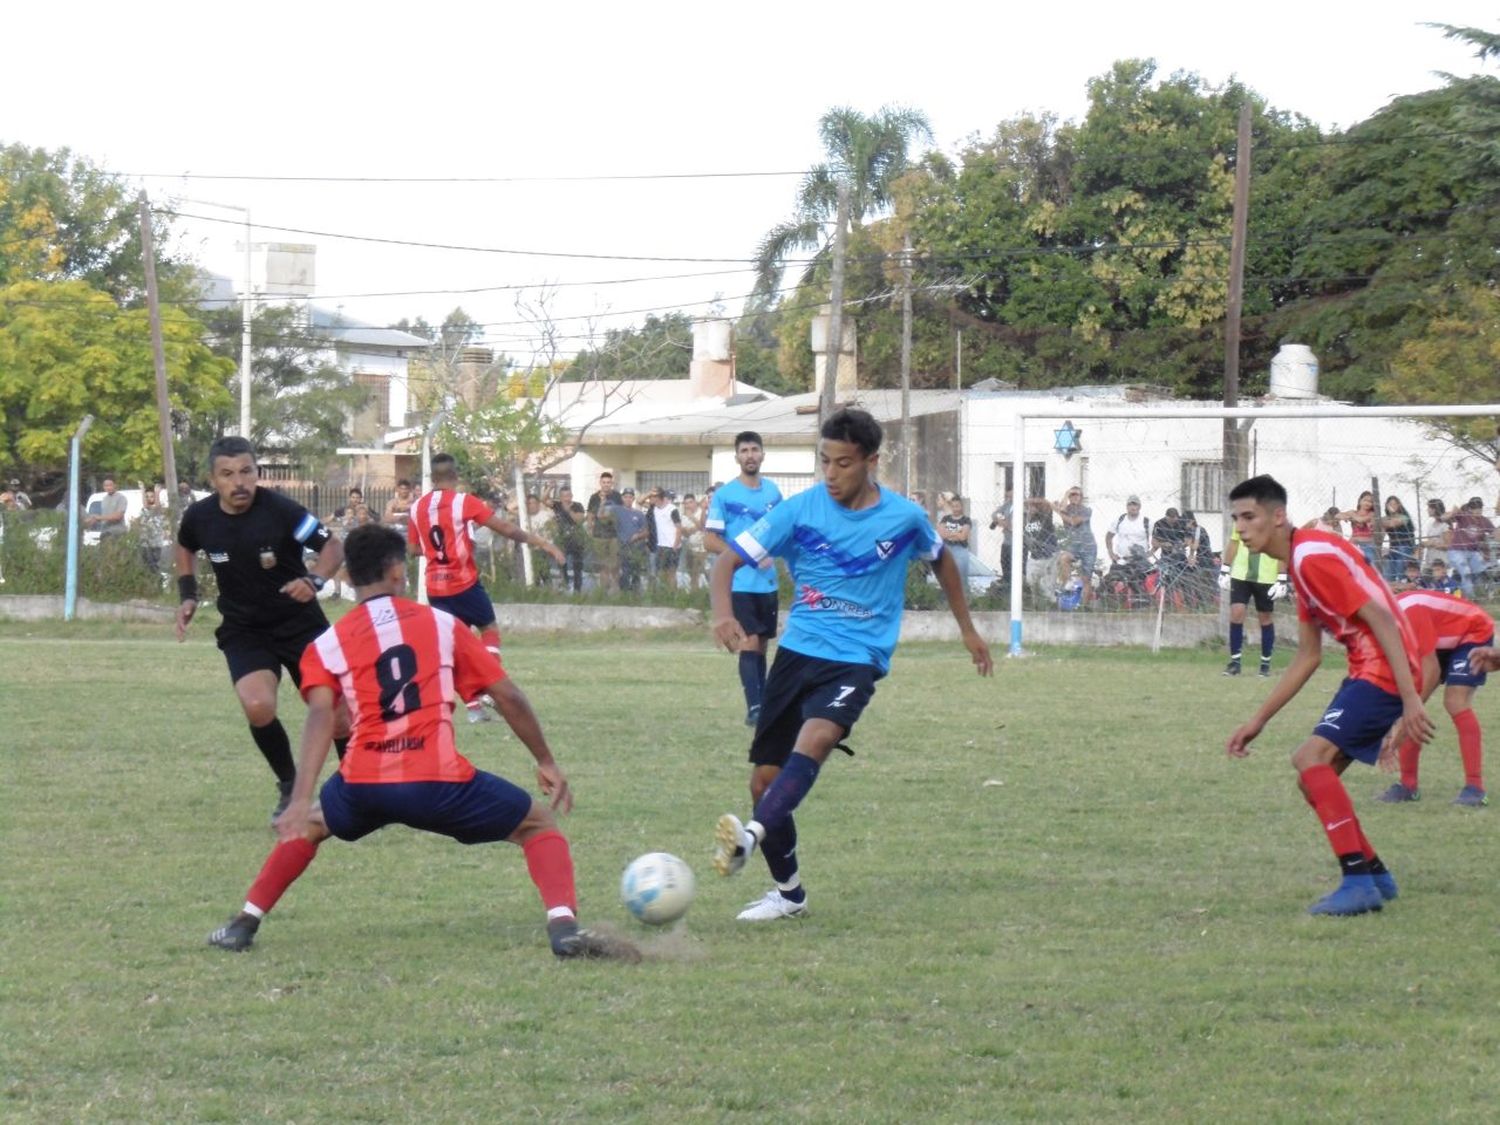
x: 1170, y: 455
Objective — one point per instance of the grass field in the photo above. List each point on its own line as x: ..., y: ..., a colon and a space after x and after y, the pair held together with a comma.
x: 1043, y: 897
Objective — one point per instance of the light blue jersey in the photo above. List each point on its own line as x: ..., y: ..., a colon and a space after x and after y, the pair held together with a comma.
x: 849, y: 569
x: 733, y: 510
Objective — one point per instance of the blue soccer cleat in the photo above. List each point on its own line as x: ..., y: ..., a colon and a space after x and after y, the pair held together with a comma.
x: 1357, y: 894
x: 1399, y: 794
x: 1472, y: 796
x: 1385, y: 883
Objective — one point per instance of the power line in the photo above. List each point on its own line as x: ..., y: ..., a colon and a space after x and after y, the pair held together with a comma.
x: 541, y: 179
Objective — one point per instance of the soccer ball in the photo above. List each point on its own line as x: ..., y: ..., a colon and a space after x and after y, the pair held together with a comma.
x: 657, y: 888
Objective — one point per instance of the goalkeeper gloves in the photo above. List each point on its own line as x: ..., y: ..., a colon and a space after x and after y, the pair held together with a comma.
x: 1224, y: 577
x: 1278, y: 588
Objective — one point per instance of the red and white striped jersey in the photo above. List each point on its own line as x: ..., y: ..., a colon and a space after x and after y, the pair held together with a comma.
x: 399, y: 666
x: 439, y: 527
x: 1333, y: 582
x: 1443, y: 622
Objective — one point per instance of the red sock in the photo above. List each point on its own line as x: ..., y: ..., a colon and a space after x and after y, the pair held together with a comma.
x: 1330, y: 800
x: 490, y: 638
x: 287, y: 861
x: 1409, y: 753
x: 551, y: 866
x: 1469, y: 747
x: 1365, y: 845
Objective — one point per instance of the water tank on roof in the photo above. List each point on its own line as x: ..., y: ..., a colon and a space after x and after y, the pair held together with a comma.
x: 712, y: 339
x: 1294, y: 372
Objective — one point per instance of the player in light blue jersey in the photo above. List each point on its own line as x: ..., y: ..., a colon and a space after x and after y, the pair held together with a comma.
x: 736, y: 506
x: 848, y: 545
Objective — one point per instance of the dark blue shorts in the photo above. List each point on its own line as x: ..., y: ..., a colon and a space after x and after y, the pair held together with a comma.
x: 804, y: 687
x: 756, y: 613
x: 472, y: 606
x: 1453, y: 666
x: 481, y: 810
x: 1358, y: 718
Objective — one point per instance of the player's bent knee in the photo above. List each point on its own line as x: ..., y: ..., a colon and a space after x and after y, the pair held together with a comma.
x: 538, y: 819
x: 1315, y: 752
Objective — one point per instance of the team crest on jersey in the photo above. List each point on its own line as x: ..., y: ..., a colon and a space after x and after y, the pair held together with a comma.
x: 267, y: 557
x: 884, y: 547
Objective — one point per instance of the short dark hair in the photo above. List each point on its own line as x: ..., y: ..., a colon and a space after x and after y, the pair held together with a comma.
x: 369, y: 549
x: 231, y: 445
x: 403, y: 483
x: 1263, y: 489
x: 857, y: 427
x: 445, y: 465
x: 748, y: 436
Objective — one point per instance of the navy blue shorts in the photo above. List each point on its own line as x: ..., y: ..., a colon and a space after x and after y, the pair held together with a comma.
x: 804, y: 687
x: 481, y: 810
x: 756, y: 613
x: 1453, y: 666
x: 1358, y: 718
x: 472, y: 606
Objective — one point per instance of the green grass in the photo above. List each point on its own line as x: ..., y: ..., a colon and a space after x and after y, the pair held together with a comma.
x: 1044, y: 897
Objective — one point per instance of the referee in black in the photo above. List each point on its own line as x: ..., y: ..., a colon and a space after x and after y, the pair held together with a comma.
x: 254, y: 539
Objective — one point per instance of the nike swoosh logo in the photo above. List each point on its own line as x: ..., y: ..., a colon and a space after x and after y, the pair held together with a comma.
x: 1339, y: 823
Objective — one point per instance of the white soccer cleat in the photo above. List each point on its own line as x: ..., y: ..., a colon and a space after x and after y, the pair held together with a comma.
x: 733, y: 843
x: 476, y: 712
x: 771, y: 907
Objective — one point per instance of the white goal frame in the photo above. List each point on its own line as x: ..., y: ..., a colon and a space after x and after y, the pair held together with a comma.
x: 1078, y: 412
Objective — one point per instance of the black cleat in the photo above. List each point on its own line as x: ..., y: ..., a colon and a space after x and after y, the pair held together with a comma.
x: 283, y: 799
x: 1265, y: 669
x: 569, y: 942
x: 237, y: 935
x: 1233, y: 668
x: 752, y: 716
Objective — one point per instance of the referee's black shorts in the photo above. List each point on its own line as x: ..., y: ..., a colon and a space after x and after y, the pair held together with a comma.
x: 756, y: 613
x: 1242, y: 591
x: 269, y: 648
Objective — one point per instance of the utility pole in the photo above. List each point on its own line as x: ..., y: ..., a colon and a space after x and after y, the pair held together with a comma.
x: 163, y: 403
x: 906, y: 434
x: 1233, y: 455
x: 836, y: 312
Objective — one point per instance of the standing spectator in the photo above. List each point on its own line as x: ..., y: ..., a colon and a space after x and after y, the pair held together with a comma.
x: 398, y: 511
x: 736, y: 507
x: 1361, y: 522
x: 1129, y: 537
x: 601, y: 522
x: 110, y: 519
x: 1039, y: 540
x: 1202, y: 563
x: 631, y: 529
x: 1078, y: 545
x: 1170, y: 538
x: 184, y: 495
x: 151, y: 526
x: 664, y: 536
x: 957, y: 530
x: 568, y: 518
x: 539, y: 521
x: 1000, y: 521
x: 694, y: 552
x: 23, y: 502
x: 1400, y: 538
x: 8, y: 501
x: 1435, y: 542
x: 1469, y: 545
x: 1329, y: 521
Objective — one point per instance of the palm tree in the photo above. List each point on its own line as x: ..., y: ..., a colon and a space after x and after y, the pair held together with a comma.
x: 867, y: 154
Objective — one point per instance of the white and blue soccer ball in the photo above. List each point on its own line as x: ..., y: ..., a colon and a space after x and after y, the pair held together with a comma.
x: 657, y: 888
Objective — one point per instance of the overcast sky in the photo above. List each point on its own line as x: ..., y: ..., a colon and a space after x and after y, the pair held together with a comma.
x: 508, y: 90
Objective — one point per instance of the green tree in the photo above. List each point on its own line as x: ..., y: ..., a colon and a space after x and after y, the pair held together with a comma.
x: 67, y: 350
x: 661, y: 348
x: 867, y: 154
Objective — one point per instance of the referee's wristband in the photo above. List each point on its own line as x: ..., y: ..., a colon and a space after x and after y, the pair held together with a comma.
x: 187, y: 587
x: 316, y: 581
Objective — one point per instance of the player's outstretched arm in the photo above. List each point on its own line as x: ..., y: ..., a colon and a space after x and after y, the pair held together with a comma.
x: 726, y: 629
x: 1298, y: 672
x: 952, y: 584
x: 518, y: 714
x: 1416, y: 723
x: 299, y: 821
x: 516, y: 534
